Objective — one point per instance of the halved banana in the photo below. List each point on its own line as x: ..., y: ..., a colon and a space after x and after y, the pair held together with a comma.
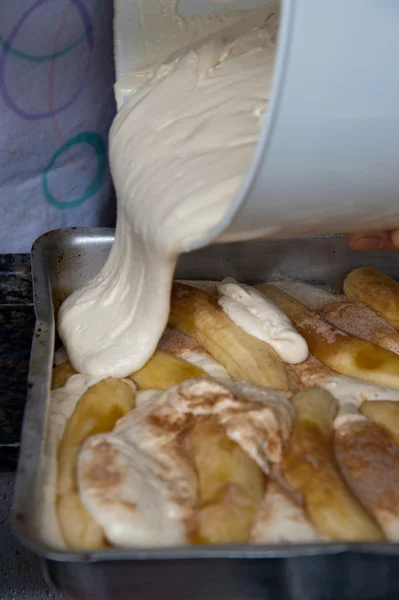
x: 61, y: 374
x: 355, y: 318
x: 230, y: 485
x: 384, y: 413
x: 309, y: 466
x: 97, y: 411
x: 198, y: 314
x: 340, y: 351
x: 163, y: 371
x: 369, y: 462
x: 377, y: 291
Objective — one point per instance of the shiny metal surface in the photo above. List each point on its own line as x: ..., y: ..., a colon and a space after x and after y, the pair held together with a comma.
x: 64, y: 260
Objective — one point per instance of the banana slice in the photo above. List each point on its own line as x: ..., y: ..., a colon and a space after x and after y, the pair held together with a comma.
x: 185, y: 347
x: 97, y: 411
x: 384, y: 413
x: 61, y: 374
x: 369, y: 461
x: 349, y: 392
x: 231, y: 486
x: 62, y: 404
x: 309, y: 466
x: 197, y: 314
x: 340, y: 351
x: 140, y: 483
x: 352, y: 317
x: 360, y: 321
x: 377, y: 291
x: 177, y: 343
x: 163, y: 371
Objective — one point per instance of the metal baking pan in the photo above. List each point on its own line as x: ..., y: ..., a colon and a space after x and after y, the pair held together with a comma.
x: 64, y: 260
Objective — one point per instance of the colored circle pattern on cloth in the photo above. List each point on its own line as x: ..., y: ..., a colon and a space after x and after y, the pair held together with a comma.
x: 8, y: 49
x: 10, y: 102
x: 45, y: 57
x: 96, y: 142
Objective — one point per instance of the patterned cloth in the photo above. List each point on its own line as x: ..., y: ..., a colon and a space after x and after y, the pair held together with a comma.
x: 56, y: 107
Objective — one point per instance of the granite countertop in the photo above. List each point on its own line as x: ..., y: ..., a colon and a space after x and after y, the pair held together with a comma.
x: 20, y: 573
x: 16, y: 326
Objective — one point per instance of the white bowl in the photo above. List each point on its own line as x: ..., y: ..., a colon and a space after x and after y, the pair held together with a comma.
x: 327, y: 159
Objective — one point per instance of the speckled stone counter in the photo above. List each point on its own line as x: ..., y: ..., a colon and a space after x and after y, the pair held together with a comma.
x: 16, y: 328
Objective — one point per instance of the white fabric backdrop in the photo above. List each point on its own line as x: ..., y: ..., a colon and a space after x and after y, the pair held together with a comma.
x: 56, y: 107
